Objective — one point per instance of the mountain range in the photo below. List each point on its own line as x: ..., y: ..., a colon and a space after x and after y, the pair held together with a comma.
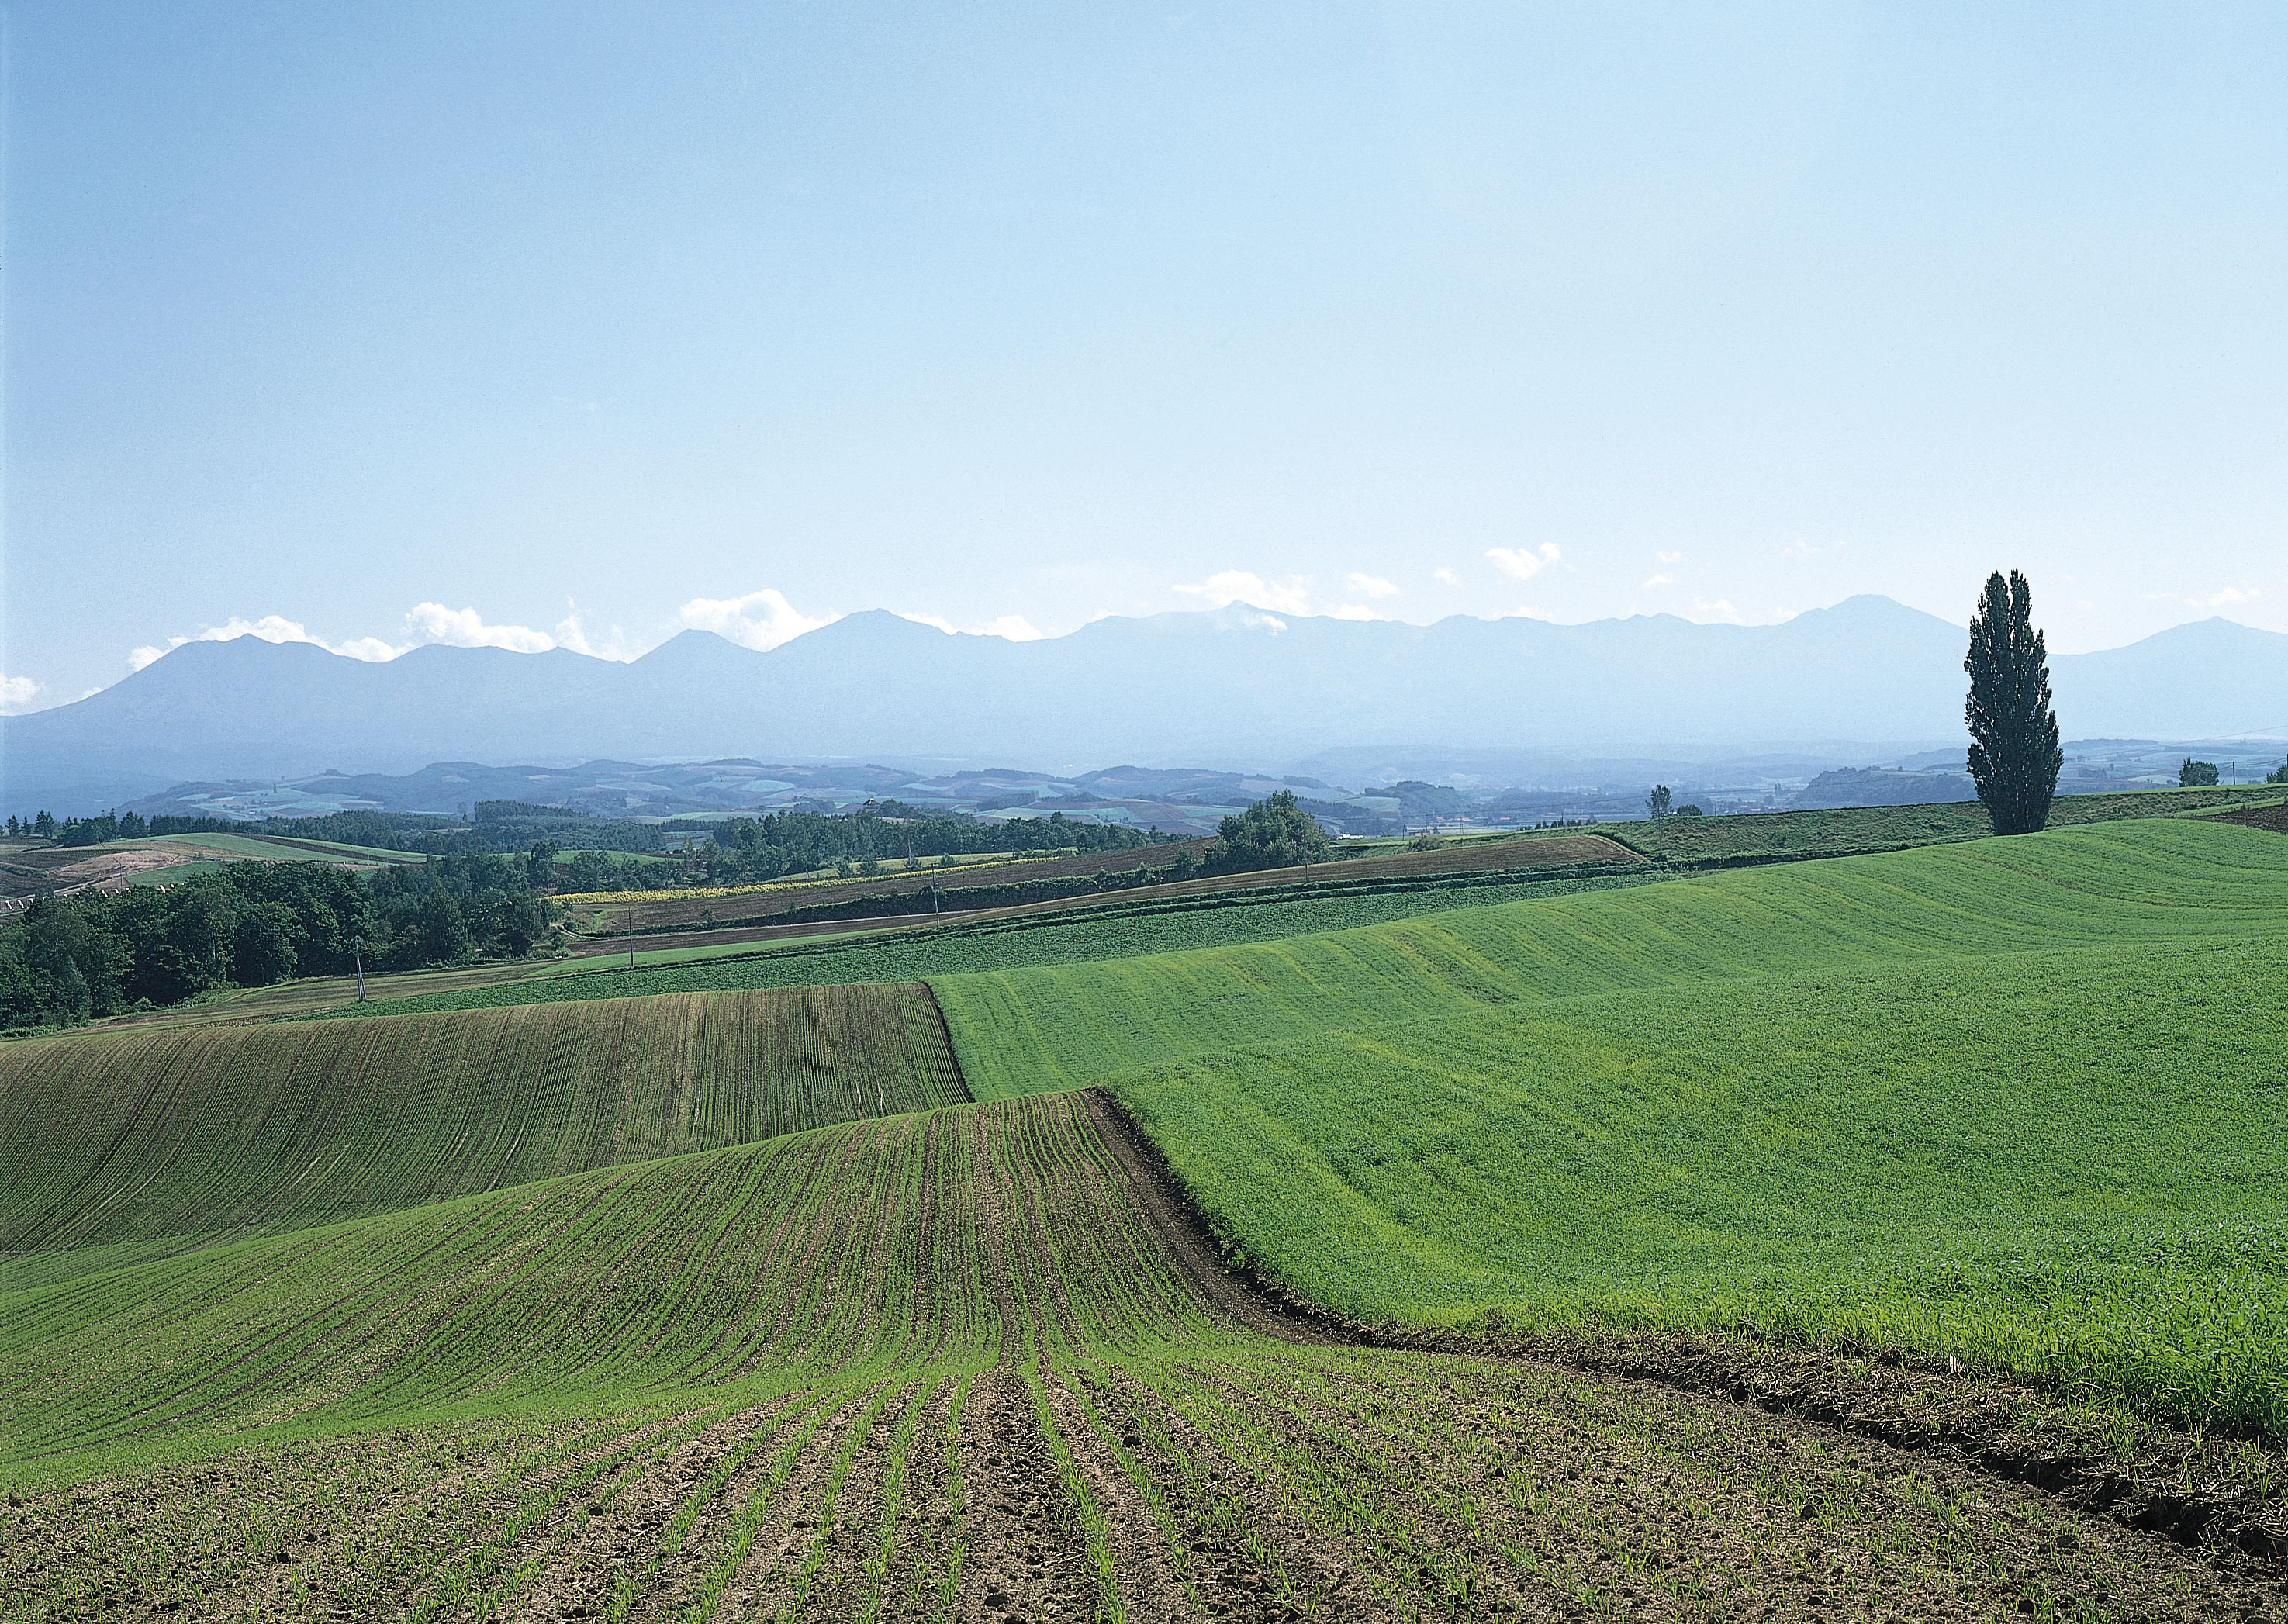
x: 1238, y: 687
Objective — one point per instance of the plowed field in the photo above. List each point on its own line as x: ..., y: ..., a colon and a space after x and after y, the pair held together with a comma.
x: 167, y: 1137
x: 970, y: 1365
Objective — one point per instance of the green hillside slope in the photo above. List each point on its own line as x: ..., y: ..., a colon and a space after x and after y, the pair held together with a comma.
x: 952, y: 1365
x: 865, y: 1245
x: 2068, y: 1164
x: 163, y: 1137
x: 1068, y: 1025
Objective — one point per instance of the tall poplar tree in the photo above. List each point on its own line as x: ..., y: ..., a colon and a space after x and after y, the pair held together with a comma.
x: 2014, y: 733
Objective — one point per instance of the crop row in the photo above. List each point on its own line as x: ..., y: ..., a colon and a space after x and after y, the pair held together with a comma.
x: 145, y: 1139
x: 1069, y: 1026
x: 952, y: 1365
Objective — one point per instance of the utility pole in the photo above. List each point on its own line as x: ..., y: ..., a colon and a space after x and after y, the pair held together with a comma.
x: 357, y: 957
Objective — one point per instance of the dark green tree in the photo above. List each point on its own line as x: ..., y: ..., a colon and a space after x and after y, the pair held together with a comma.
x: 439, y: 935
x: 1657, y: 806
x: 2197, y: 774
x: 265, y: 940
x: 2014, y: 733
x: 1275, y: 832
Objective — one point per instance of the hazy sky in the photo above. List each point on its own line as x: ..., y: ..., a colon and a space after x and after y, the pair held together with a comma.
x: 491, y: 322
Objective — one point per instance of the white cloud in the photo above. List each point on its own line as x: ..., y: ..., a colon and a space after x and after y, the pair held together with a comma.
x: 1520, y: 564
x: 572, y: 633
x: 1292, y: 596
x: 467, y: 628
x: 1445, y: 577
x: 1353, y: 612
x: 425, y: 623
x: 17, y: 692
x: 1704, y: 610
x: 759, y: 621
x: 1369, y: 586
x: 2234, y: 595
x: 1015, y: 628
x: 1670, y: 557
x: 270, y: 629
x: 1663, y: 579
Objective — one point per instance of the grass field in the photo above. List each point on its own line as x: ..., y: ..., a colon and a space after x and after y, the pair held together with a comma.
x: 177, y: 1139
x: 1808, y: 1099
x: 941, y: 1366
x: 1069, y: 1026
x: 1844, y: 829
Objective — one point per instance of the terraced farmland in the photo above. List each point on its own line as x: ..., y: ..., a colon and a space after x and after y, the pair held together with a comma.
x: 963, y: 1364
x: 167, y: 1138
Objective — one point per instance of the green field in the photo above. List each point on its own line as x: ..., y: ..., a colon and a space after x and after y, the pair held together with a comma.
x: 1804, y: 1099
x: 183, y: 1138
x: 934, y: 1366
x: 1837, y: 831
x: 255, y: 845
x: 1070, y: 1026
x: 803, y: 1300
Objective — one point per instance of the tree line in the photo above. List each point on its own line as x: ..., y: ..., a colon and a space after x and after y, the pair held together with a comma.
x: 249, y: 924
x: 754, y: 851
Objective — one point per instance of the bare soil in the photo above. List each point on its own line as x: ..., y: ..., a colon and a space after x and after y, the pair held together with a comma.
x: 2273, y: 818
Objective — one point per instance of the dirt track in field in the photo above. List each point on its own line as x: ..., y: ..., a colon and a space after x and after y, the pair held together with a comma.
x: 1320, y: 1479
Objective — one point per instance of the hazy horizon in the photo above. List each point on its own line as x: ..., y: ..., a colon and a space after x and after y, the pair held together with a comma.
x: 524, y: 327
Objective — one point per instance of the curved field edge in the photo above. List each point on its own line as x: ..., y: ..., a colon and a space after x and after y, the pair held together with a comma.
x: 2062, y: 1166
x: 1069, y: 1026
x: 166, y: 1139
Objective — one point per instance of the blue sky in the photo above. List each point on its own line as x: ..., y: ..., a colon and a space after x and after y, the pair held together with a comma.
x: 382, y: 324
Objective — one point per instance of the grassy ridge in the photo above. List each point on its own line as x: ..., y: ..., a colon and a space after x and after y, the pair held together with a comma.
x: 187, y: 1134
x: 2062, y: 1164
x: 1069, y: 1025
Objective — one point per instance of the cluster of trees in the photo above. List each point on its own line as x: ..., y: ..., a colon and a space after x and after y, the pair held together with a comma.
x: 2201, y: 774
x: 250, y: 925
x: 1274, y: 832
x: 752, y: 851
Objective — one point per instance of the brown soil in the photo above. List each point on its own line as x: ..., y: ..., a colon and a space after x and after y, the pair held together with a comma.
x: 650, y: 916
x: 2274, y: 818
x: 66, y: 873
